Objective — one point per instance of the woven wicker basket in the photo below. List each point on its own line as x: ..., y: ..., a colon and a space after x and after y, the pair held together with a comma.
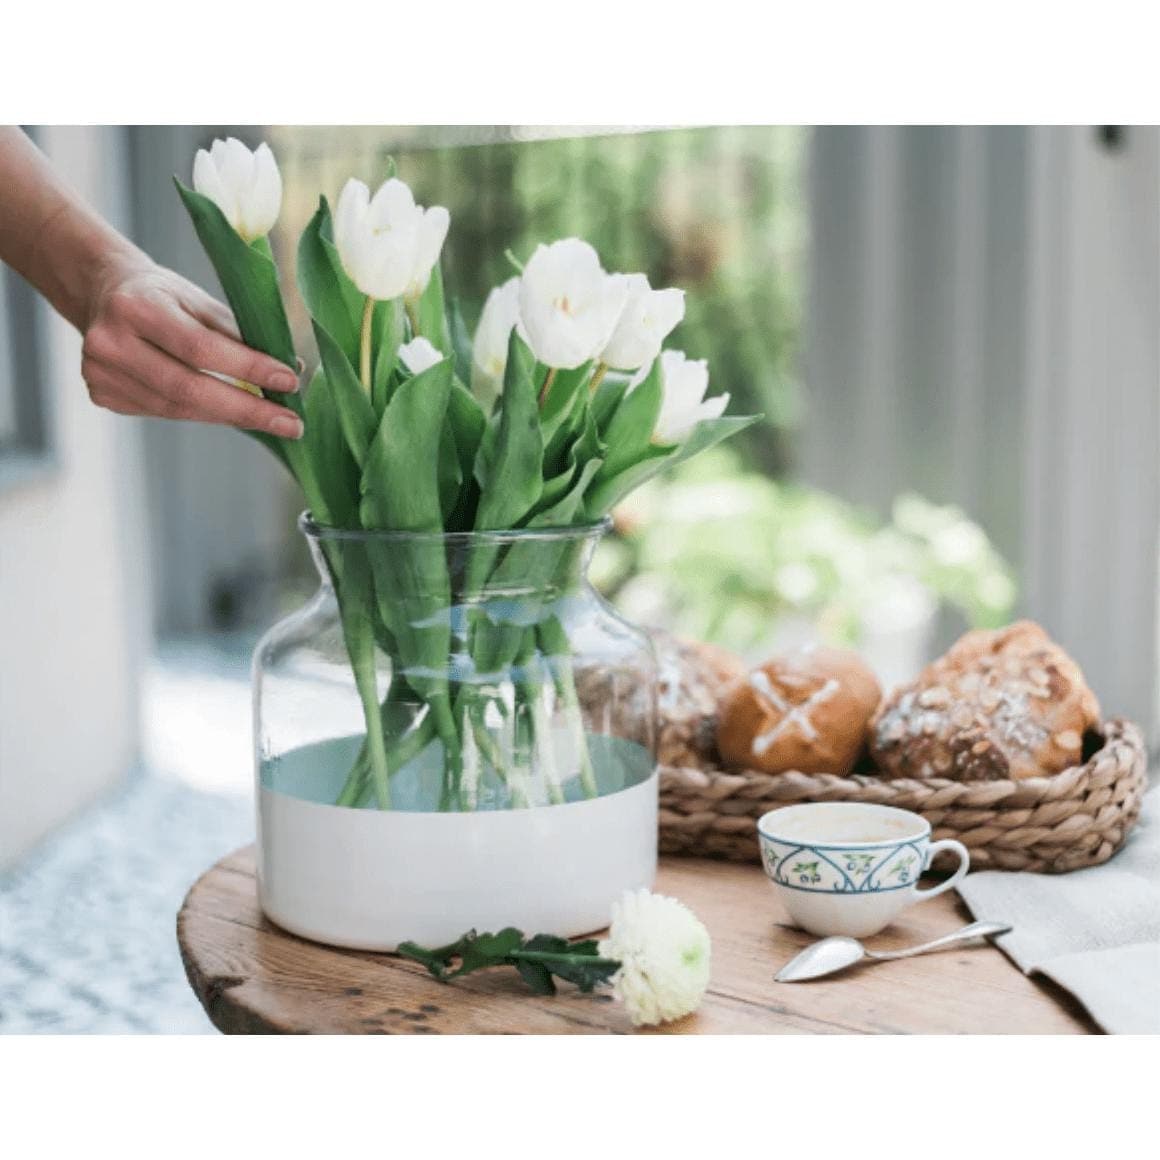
x: 1077, y: 818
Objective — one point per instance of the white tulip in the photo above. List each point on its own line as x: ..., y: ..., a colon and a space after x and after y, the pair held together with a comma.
x: 663, y: 950
x: 569, y: 306
x: 245, y: 186
x: 388, y: 244
x: 418, y: 354
x: 684, y: 382
x: 489, y: 348
x: 648, y: 319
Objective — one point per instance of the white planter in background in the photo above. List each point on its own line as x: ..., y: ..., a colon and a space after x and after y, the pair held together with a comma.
x: 896, y: 633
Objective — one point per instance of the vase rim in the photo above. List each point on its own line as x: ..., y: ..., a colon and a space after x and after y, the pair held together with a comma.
x: 593, y: 530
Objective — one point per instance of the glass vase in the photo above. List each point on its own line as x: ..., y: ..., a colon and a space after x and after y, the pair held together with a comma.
x: 455, y: 732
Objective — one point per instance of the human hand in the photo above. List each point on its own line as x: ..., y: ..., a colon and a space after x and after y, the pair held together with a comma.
x: 149, y: 338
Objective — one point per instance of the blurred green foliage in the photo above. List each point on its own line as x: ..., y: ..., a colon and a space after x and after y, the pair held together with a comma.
x: 721, y: 553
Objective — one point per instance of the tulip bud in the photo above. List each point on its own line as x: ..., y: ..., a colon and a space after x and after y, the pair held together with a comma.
x: 569, y: 306
x: 648, y: 318
x: 489, y: 348
x: 388, y: 244
x: 418, y: 354
x: 684, y: 382
x: 245, y: 186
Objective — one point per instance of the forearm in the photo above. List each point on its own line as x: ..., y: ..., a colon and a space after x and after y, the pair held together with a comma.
x: 49, y: 235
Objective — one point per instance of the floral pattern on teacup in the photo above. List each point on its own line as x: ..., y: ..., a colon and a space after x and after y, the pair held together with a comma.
x: 834, y: 870
x: 902, y: 869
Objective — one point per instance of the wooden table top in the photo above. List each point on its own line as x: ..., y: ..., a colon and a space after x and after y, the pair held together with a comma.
x: 252, y: 977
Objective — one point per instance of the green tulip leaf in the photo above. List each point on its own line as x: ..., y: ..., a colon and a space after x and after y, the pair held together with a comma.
x: 401, y: 492
x: 432, y: 315
x: 630, y: 427
x: 248, y: 278
x: 331, y: 297
x: 607, y: 398
x: 335, y: 469
x: 587, y: 448
x: 563, y: 513
x: 466, y: 424
x: 609, y: 489
x: 387, y: 335
x: 509, y: 463
x: 400, y: 482
x: 568, y: 387
x: 356, y: 415
x: 460, y: 340
x: 709, y: 432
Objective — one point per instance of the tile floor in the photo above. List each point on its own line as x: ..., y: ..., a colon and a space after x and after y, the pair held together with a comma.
x: 87, y: 942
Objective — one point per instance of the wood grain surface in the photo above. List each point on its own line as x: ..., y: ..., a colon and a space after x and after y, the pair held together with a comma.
x: 252, y: 977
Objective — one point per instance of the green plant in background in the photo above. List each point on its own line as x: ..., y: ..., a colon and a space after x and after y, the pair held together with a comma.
x: 588, y: 409
x: 721, y: 553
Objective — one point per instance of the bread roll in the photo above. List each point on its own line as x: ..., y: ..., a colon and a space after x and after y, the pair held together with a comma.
x: 806, y: 711
x: 1000, y: 704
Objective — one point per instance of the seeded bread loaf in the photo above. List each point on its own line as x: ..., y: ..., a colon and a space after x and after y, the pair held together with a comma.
x: 690, y: 678
x: 1000, y: 704
x: 806, y: 710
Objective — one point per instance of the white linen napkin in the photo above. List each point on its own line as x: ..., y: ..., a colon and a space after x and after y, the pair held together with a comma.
x: 1096, y: 932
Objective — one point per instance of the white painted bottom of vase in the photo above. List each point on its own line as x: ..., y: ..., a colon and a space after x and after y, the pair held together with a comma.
x: 370, y: 879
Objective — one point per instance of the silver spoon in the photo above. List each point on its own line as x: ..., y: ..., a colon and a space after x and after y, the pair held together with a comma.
x: 839, y: 952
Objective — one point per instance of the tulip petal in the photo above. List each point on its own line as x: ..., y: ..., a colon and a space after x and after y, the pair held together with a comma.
x: 235, y: 164
x: 569, y: 306
x: 430, y: 235
x: 489, y: 347
x: 418, y: 354
x: 265, y: 195
x: 350, y: 209
x: 207, y: 181
x: 392, y: 205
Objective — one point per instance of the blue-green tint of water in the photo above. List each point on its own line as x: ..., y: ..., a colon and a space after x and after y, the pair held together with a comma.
x: 318, y: 772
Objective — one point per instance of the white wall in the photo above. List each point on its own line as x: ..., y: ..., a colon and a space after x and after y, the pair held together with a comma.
x: 73, y: 596
x: 983, y: 328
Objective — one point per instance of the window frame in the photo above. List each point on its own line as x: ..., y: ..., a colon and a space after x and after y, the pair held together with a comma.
x: 29, y: 452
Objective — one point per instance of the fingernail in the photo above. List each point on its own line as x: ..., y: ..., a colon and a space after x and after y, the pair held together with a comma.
x: 287, y: 426
x: 283, y: 381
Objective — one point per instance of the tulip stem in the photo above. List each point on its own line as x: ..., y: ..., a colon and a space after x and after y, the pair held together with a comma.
x: 598, y: 376
x: 549, y: 379
x: 365, y: 344
x: 413, y: 315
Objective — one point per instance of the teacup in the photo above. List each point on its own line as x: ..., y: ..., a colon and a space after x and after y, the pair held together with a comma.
x: 849, y: 868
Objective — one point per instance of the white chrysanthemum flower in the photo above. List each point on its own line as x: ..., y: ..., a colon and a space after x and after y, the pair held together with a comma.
x: 663, y: 951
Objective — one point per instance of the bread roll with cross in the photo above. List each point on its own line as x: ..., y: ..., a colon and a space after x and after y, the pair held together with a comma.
x: 807, y: 711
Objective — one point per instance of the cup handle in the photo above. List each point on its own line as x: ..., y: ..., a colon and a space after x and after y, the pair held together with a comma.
x: 964, y: 865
